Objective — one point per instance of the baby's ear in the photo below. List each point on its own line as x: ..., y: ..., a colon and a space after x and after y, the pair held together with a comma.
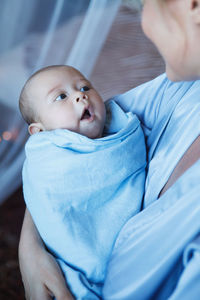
x: 195, y: 11
x: 35, y: 127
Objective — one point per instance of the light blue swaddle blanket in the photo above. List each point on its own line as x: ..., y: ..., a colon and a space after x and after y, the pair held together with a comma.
x: 80, y: 192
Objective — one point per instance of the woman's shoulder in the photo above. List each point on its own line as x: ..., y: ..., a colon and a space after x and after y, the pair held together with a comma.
x: 152, y: 85
x: 157, y: 86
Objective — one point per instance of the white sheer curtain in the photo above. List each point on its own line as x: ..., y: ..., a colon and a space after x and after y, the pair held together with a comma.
x: 34, y: 34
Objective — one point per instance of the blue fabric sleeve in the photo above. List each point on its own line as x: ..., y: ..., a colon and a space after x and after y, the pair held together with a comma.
x: 188, y: 286
x: 145, y: 100
x: 154, y: 100
x: 145, y: 262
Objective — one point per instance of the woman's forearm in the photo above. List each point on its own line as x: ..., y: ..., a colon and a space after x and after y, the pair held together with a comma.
x: 29, y: 235
x: 41, y: 274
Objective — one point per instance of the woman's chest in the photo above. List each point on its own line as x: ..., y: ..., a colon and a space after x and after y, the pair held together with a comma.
x: 176, y: 150
x: 187, y: 160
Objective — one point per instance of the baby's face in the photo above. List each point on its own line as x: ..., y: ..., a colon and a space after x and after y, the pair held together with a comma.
x: 63, y: 98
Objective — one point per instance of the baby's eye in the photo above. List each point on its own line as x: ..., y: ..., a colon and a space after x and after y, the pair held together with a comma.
x: 61, y: 97
x: 85, y: 88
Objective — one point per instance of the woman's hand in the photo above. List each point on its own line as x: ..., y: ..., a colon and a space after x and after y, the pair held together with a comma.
x: 41, y: 274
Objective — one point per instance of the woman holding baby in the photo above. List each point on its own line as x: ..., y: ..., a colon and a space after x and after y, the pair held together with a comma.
x: 156, y: 255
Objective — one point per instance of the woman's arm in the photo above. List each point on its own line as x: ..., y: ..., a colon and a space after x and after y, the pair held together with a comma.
x: 41, y: 274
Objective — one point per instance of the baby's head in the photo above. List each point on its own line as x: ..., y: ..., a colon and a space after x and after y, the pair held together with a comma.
x: 61, y: 97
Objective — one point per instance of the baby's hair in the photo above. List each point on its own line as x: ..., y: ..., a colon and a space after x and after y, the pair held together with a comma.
x: 26, y: 109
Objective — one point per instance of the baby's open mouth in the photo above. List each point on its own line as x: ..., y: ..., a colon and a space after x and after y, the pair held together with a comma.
x: 87, y: 114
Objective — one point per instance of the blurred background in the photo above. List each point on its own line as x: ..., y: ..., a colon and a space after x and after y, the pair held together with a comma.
x: 103, y: 39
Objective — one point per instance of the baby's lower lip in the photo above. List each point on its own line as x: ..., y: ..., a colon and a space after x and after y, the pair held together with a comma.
x: 90, y: 119
x: 92, y: 115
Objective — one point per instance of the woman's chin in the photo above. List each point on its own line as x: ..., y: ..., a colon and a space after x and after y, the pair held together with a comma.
x: 182, y: 76
x: 173, y: 76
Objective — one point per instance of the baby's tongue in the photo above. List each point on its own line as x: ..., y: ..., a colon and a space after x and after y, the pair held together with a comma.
x: 86, y: 115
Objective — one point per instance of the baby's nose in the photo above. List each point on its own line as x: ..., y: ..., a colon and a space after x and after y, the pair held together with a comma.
x: 81, y: 97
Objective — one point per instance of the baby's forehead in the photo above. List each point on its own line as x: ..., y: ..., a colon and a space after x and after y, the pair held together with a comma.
x: 56, y: 73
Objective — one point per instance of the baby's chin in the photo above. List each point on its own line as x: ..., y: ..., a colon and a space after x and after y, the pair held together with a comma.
x: 93, y: 135
x: 96, y: 133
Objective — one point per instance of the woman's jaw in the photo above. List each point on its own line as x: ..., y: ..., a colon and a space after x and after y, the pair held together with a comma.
x: 174, y: 27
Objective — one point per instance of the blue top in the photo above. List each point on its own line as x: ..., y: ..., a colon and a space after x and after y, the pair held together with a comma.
x: 80, y: 192
x: 147, y: 260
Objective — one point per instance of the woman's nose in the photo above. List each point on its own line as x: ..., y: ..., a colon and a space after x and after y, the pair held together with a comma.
x: 81, y: 97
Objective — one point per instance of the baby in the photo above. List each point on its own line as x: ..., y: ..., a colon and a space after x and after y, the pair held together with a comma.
x: 84, y: 173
